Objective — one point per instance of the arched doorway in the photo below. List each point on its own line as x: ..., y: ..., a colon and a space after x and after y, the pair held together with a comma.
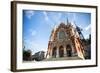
x: 61, y: 51
x: 54, y: 52
x: 69, y: 50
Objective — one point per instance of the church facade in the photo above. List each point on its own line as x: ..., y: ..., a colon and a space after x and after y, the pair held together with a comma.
x: 64, y: 42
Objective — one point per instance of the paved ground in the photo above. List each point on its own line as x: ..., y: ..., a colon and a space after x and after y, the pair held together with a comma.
x: 63, y: 58
x: 57, y: 59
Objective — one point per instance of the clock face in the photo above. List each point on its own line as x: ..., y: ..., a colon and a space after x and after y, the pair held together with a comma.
x: 61, y: 35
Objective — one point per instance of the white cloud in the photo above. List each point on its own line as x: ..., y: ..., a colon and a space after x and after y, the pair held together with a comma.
x: 49, y: 21
x: 86, y: 31
x: 29, y: 13
x: 45, y: 15
x: 33, y: 32
x: 56, y: 16
x: 88, y: 27
x: 52, y: 19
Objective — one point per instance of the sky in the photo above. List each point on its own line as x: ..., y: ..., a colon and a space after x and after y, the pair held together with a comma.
x: 37, y: 26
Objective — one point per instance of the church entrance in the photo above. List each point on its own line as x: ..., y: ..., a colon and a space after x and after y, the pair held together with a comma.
x: 69, y: 50
x: 61, y: 51
x: 54, y: 52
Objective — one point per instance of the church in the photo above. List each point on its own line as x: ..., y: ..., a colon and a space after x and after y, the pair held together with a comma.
x: 65, y: 42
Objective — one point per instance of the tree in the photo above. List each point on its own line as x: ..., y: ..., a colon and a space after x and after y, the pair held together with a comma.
x: 27, y: 55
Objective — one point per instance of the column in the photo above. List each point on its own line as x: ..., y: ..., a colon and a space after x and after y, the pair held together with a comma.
x: 51, y: 52
x: 57, y: 52
x: 65, y: 52
x: 72, y: 50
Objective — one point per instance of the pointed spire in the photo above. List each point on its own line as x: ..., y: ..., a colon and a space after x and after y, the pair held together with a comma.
x: 67, y: 21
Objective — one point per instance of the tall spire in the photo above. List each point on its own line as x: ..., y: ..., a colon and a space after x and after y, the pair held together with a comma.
x: 67, y: 21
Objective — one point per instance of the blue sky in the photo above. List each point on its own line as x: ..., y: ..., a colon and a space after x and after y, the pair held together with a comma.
x: 37, y: 26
